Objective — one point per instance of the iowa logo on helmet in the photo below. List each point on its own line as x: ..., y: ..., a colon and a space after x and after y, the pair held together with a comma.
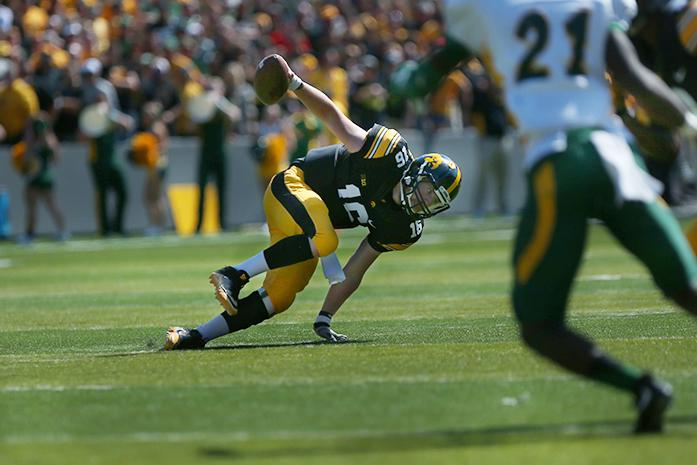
x: 434, y: 160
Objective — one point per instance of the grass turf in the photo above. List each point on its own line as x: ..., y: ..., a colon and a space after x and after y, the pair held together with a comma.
x: 434, y: 372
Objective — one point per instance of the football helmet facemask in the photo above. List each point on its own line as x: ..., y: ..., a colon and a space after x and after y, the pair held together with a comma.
x: 429, y: 185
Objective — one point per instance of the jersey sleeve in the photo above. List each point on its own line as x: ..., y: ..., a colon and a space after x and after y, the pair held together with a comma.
x: 385, y: 150
x: 396, y: 238
x: 380, y: 142
x: 463, y: 24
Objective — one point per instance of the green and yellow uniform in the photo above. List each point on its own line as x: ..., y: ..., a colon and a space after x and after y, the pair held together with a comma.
x: 564, y: 190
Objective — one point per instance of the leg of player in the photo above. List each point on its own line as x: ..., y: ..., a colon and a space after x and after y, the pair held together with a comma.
x: 300, y: 230
x: 230, y: 280
x: 549, y: 247
x: 577, y: 354
x: 539, y: 300
x: 277, y: 294
x: 650, y: 232
x: 252, y: 310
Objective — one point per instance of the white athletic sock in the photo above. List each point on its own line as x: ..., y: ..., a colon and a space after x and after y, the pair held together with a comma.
x: 267, y: 301
x: 254, y: 265
x: 213, y: 329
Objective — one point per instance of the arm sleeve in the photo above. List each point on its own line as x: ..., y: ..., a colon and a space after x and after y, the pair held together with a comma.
x: 418, y: 79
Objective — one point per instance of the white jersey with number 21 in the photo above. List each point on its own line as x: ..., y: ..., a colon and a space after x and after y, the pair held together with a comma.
x: 549, y: 57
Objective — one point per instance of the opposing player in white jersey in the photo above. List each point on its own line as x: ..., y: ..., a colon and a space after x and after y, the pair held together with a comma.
x: 550, y: 57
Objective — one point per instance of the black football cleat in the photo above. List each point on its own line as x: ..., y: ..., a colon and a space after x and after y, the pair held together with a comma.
x: 228, y: 282
x: 183, y: 339
x: 653, y: 397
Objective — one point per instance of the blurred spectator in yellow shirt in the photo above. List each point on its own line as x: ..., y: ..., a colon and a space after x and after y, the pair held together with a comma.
x: 187, y: 80
x: 18, y: 103
x: 333, y: 80
x: 149, y: 151
x: 271, y: 150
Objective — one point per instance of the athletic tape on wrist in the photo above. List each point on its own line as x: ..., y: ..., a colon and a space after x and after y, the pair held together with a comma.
x: 295, y: 82
x: 323, y: 320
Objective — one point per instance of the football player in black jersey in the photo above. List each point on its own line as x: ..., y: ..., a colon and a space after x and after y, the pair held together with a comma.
x: 371, y: 180
x: 665, y: 35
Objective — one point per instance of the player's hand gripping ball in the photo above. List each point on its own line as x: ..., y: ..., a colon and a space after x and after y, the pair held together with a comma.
x: 271, y: 79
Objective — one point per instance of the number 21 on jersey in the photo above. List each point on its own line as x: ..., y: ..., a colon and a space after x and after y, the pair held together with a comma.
x: 533, y: 29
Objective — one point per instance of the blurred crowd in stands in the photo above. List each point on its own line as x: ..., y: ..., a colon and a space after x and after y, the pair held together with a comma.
x: 167, y: 50
x: 149, y: 62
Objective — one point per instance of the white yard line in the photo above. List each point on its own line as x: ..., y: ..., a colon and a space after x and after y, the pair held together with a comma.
x: 509, y: 379
x: 48, y: 387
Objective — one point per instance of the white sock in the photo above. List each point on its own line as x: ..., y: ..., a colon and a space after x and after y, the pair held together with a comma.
x: 267, y: 301
x: 213, y: 329
x: 254, y: 265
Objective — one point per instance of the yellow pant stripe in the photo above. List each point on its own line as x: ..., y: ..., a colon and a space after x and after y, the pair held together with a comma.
x: 545, y: 188
x: 691, y: 235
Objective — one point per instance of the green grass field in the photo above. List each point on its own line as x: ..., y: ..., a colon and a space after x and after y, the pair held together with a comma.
x: 434, y: 372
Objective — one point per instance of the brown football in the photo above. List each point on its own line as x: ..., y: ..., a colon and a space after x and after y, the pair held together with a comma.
x: 271, y: 79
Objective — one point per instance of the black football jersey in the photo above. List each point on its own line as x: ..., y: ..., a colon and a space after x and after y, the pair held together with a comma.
x: 357, y: 187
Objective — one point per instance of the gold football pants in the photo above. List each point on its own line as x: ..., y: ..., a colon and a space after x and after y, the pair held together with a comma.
x: 293, y: 208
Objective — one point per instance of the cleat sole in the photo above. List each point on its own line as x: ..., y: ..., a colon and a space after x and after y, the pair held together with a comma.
x: 221, y: 295
x: 171, y: 339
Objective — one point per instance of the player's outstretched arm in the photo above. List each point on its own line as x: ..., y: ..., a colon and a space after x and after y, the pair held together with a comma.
x: 355, y: 269
x: 418, y: 79
x: 274, y: 78
x: 348, y: 132
x: 654, y: 95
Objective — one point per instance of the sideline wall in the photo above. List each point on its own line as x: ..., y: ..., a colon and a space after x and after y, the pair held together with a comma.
x: 75, y: 193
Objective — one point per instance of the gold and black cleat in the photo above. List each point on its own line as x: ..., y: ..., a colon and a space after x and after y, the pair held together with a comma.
x: 183, y: 339
x: 228, y: 282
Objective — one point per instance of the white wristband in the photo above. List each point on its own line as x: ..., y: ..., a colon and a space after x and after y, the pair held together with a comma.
x: 295, y: 83
x: 331, y: 266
